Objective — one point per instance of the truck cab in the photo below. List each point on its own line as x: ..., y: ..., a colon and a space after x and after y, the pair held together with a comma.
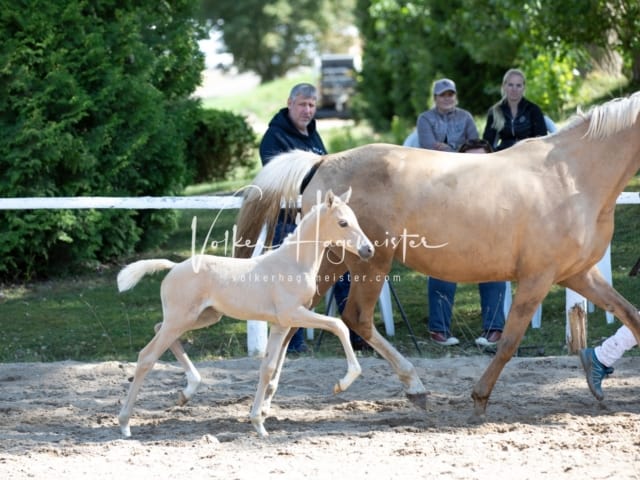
x: 337, y: 83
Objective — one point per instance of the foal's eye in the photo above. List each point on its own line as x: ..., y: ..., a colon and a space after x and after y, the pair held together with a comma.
x: 343, y: 223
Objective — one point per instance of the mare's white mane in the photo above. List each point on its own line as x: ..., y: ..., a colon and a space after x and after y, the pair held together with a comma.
x: 296, y: 162
x: 608, y: 118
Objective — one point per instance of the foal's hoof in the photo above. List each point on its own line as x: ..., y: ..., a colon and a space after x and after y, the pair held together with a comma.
x: 125, y: 429
x: 418, y: 399
x: 259, y: 426
x: 182, y: 399
x: 477, y: 419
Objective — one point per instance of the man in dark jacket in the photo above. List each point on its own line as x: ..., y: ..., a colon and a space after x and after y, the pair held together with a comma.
x: 294, y: 127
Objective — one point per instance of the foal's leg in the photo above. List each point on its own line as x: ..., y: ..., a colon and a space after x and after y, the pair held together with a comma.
x: 147, y: 357
x: 206, y: 318
x: 275, y: 351
x: 358, y: 313
x: 272, y: 363
x: 529, y: 295
x: 272, y: 387
x: 592, y: 285
x: 310, y: 319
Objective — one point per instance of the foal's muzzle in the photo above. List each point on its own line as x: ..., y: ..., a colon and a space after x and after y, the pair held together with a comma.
x: 365, y: 251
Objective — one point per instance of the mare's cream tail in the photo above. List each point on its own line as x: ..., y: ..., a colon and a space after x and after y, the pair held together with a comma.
x: 131, y: 274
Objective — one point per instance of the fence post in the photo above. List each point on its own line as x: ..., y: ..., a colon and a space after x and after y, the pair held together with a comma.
x: 257, y: 330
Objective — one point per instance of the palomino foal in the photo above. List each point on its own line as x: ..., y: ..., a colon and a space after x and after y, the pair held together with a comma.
x: 276, y: 287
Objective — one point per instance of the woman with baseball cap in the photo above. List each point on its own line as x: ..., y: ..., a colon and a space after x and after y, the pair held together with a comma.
x: 445, y: 127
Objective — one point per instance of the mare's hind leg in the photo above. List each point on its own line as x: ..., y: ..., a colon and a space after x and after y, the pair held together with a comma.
x: 530, y: 293
x: 272, y: 361
x: 146, y: 359
x: 592, y: 285
x: 206, y: 318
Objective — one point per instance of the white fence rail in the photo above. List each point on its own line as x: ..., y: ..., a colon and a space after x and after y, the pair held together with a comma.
x: 256, y: 330
x: 130, y: 203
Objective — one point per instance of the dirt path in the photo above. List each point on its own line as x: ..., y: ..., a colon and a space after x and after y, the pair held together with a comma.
x: 58, y: 420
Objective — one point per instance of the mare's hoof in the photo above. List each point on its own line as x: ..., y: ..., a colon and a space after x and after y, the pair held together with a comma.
x: 418, y: 399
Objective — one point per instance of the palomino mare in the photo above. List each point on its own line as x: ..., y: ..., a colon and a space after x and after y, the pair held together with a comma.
x: 539, y: 213
x: 277, y: 287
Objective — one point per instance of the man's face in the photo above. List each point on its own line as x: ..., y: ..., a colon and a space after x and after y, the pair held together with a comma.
x: 302, y: 111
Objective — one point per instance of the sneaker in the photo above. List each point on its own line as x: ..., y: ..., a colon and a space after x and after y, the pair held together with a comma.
x: 595, y: 371
x: 489, y: 338
x: 442, y: 339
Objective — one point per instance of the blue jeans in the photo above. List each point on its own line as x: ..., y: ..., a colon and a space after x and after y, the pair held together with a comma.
x: 441, y: 293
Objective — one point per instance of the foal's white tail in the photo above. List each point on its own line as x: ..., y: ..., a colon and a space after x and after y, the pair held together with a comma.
x: 130, y: 275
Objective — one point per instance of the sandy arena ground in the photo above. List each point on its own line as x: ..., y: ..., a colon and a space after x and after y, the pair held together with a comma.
x: 58, y: 420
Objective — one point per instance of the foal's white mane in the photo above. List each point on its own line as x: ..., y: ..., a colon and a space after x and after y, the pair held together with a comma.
x: 608, y: 118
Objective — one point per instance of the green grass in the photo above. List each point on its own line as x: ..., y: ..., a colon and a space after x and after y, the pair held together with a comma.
x: 85, y: 318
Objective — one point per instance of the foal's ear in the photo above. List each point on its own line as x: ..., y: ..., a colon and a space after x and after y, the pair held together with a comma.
x: 346, y: 196
x: 329, y: 198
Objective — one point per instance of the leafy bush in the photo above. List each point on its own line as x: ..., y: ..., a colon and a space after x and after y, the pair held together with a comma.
x: 94, y: 100
x: 222, y: 142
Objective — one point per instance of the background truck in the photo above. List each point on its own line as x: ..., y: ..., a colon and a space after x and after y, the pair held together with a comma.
x: 336, y: 85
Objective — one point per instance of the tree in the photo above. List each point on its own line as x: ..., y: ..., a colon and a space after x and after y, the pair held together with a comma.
x: 609, y: 24
x: 506, y: 34
x: 273, y: 37
x: 393, y: 70
x: 407, y: 45
x: 94, y: 100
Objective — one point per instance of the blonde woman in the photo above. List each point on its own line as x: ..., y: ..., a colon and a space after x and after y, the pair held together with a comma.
x: 514, y: 117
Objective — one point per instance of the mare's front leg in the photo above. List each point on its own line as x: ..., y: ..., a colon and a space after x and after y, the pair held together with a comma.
x: 270, y: 364
x: 525, y: 303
